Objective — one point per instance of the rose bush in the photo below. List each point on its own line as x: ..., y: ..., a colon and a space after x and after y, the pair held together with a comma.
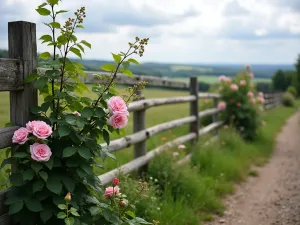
x: 241, y: 103
x: 56, y: 152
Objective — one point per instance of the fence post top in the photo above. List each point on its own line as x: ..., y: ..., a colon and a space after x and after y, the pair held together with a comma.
x: 20, y: 21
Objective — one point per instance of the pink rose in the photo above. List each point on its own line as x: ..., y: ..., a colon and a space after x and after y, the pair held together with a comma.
x: 243, y: 83
x: 41, y: 130
x: 110, y: 191
x: 250, y: 94
x: 20, y: 136
x: 30, y: 125
x: 222, y: 106
x: 251, y: 75
x: 228, y: 79
x: 181, y: 146
x: 40, y: 152
x: 117, y: 105
x: 76, y: 113
x: 260, y: 94
x: 238, y: 104
x: 234, y: 87
x: 253, y: 100
x: 118, y: 121
x: 175, y: 154
x: 261, y: 100
x: 222, y: 78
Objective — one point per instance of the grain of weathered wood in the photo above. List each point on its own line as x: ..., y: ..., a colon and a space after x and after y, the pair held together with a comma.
x: 5, y: 220
x: 143, y: 160
x: 11, y: 75
x: 210, y: 127
x: 209, y: 112
x: 22, y: 46
x: 129, y: 140
x: 208, y: 95
x: 194, y: 106
x: 6, y: 136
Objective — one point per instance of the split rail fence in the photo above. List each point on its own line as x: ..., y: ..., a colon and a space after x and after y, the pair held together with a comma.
x: 23, y: 61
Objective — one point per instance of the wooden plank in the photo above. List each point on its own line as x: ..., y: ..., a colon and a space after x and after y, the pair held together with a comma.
x: 215, y: 115
x: 129, y: 140
x: 210, y: 127
x: 6, y: 136
x: 143, y: 160
x: 11, y: 75
x: 208, y: 95
x: 22, y: 46
x: 194, y: 106
x: 5, y: 220
x: 148, y: 103
x: 209, y: 112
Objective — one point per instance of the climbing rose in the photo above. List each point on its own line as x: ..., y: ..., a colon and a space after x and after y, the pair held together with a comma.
x: 110, y: 191
x: 253, y: 100
x: 238, y: 104
x: 118, y: 121
x: 122, y: 203
x: 250, y: 94
x: 20, y: 136
x: 251, y: 75
x: 41, y: 130
x: 68, y: 197
x: 117, y: 105
x: 222, y: 106
x: 222, y: 78
x: 77, y: 113
x: 115, y: 181
x: 228, y: 79
x: 234, y: 87
x: 30, y: 125
x: 261, y: 100
x: 40, y: 152
x: 260, y: 94
x: 243, y: 83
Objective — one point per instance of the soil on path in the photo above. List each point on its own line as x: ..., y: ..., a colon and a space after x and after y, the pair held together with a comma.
x: 272, y: 198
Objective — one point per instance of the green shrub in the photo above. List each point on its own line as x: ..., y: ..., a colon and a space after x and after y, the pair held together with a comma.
x: 288, y: 99
x: 292, y: 90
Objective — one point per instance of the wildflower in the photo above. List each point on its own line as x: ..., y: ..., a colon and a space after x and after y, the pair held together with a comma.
x: 181, y: 146
x: 163, y: 138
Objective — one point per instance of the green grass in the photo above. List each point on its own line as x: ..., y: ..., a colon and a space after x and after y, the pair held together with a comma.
x: 195, y: 191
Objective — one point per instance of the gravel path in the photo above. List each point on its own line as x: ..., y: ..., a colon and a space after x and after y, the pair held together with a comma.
x: 272, y: 198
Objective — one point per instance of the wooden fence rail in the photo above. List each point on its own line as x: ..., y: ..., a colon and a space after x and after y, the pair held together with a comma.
x: 23, y: 61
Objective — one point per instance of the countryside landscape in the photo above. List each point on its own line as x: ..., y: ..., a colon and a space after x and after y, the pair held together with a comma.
x: 127, y: 112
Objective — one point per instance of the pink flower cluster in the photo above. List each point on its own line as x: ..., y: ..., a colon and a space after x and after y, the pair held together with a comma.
x: 41, y: 130
x: 112, y: 190
x: 224, y: 79
x: 118, y: 112
x: 234, y: 87
x: 243, y: 83
x: 222, y: 105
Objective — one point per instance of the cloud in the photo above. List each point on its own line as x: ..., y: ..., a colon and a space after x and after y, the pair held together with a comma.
x: 234, y: 8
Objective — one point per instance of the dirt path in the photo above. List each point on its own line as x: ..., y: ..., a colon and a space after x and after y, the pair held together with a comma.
x: 272, y: 198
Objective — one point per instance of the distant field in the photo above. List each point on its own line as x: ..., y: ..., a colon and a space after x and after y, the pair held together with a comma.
x: 214, y: 79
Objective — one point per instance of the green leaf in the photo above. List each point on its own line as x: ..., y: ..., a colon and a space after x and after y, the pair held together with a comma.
x: 61, y: 11
x: 37, y: 186
x: 87, y: 112
x: 130, y: 213
x: 34, y: 205
x: 95, y: 210
x: 140, y: 221
x: 28, y: 174
x: 16, y: 207
x: 106, y: 136
x: 111, y: 155
x: 86, y: 43
x: 41, y: 83
x: 87, y: 168
x: 7, y: 161
x: 133, y: 61
x: 54, y: 185
x: 81, y: 48
x: 49, y: 164
x: 12, y: 200
x: 52, y: 2
x: 74, y: 212
x: 69, y: 151
x: 128, y: 72
x: 62, y: 40
x: 79, y: 26
x: 76, y: 51
x: 69, y: 221
x: 44, y: 175
x: 100, y: 112
x: 62, y: 206
x: 84, y: 152
x: 46, y: 38
x: 71, y: 119
x: 20, y: 155
x: 31, y: 77
x: 45, y: 55
x: 108, y: 67
x: 43, y: 11
x: 46, y: 215
x: 64, y: 130
x: 42, y: 5
x: 61, y: 215
x: 16, y: 179
x: 36, y: 167
x: 116, y: 57
x: 69, y: 184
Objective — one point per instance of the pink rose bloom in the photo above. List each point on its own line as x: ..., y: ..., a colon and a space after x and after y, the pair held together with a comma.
x: 118, y: 121
x: 238, y: 104
x: 260, y: 94
x: 110, y: 191
x: 20, y: 136
x: 117, y: 105
x: 222, y: 78
x: 222, y: 105
x: 228, y: 79
x: 175, y: 154
x: 234, y: 87
x: 181, y: 146
x: 30, y: 125
x: 243, y: 83
x: 40, y: 152
x: 77, y: 113
x: 250, y: 94
x: 251, y: 75
x: 261, y: 100
x: 41, y: 130
x: 253, y: 100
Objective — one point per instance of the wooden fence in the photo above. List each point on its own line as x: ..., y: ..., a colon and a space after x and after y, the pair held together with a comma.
x: 23, y: 96
x: 272, y: 100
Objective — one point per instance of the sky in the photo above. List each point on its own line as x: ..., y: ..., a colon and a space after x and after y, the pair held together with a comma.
x: 180, y: 31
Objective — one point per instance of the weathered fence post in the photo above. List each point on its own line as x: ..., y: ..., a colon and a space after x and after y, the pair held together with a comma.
x: 139, y: 123
x: 195, y: 126
x: 22, y: 45
x: 215, y: 115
